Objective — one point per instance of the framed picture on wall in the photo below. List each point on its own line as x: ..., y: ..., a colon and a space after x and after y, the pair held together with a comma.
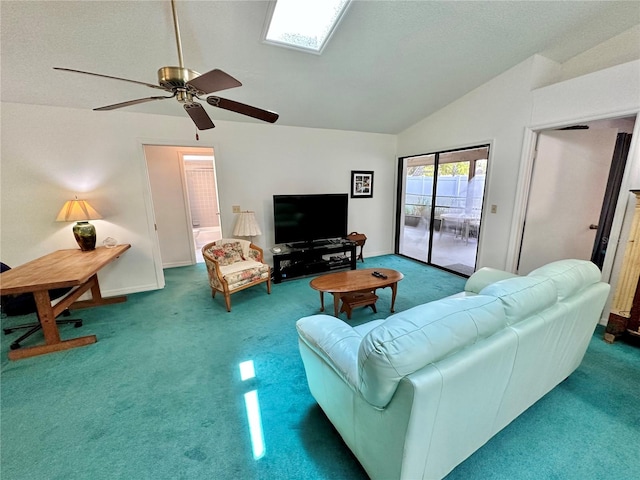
x: 361, y: 184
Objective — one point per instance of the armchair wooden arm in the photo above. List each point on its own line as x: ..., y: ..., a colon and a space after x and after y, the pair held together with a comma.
x: 260, y: 253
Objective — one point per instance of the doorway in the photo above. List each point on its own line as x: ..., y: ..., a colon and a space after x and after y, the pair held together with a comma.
x: 202, y: 197
x: 567, y: 194
x: 440, y: 198
x: 184, y: 199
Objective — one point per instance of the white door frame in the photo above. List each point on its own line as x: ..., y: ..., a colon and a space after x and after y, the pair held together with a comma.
x: 148, y: 200
x: 187, y: 204
x: 524, y: 185
x: 401, y: 177
x: 549, y: 222
x: 187, y: 201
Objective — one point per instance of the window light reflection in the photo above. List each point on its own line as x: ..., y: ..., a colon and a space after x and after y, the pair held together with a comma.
x: 255, y: 423
x: 247, y: 370
x: 252, y: 406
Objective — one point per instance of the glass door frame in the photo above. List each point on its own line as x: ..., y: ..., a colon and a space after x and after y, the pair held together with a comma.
x: 401, y: 195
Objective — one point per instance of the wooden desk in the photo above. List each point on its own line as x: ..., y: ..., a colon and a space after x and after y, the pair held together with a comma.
x: 63, y: 268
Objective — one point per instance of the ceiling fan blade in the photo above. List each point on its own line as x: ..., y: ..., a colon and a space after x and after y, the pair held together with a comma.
x: 213, y: 81
x: 264, y: 115
x: 199, y: 116
x: 111, y: 77
x: 130, y: 102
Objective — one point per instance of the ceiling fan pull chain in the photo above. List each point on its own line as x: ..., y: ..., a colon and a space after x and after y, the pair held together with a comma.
x: 197, y: 136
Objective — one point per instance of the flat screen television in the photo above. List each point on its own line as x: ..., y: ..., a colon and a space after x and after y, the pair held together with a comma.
x: 310, y: 218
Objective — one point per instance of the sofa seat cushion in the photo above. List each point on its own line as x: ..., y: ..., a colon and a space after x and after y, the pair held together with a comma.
x: 241, y: 273
x: 569, y: 276
x: 522, y: 297
x: 415, y: 338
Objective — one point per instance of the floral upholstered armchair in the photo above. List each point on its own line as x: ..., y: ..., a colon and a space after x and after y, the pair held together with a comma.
x: 234, y: 265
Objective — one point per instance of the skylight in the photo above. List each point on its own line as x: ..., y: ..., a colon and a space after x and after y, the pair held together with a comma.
x: 304, y: 24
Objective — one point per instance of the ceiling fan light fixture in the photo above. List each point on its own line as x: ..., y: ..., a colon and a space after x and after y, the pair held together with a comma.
x: 175, y: 77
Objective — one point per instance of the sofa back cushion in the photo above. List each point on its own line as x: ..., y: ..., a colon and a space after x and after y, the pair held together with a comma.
x: 522, y: 297
x: 569, y: 276
x: 485, y: 277
x: 415, y: 338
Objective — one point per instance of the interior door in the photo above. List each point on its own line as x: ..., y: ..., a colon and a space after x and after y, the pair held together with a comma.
x: 173, y: 222
x: 565, y: 199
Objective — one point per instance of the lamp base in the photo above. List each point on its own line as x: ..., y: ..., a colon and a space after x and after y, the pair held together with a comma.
x: 85, y: 234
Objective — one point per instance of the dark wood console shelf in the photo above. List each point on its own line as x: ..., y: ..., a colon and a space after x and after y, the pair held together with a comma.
x: 299, y: 262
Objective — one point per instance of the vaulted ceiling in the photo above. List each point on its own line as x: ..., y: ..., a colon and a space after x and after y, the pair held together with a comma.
x: 388, y: 65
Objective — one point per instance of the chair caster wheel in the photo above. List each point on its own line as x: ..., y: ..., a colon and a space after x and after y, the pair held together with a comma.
x: 14, y: 346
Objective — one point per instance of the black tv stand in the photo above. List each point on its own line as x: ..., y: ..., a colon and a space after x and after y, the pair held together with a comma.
x: 306, y: 245
x: 299, y: 260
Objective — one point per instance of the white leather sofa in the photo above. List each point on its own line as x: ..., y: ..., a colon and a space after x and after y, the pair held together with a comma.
x: 416, y: 394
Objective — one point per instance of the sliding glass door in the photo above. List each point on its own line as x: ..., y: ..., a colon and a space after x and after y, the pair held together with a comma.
x: 439, y: 214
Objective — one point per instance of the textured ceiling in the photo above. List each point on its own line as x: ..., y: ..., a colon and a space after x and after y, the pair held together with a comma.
x: 389, y: 64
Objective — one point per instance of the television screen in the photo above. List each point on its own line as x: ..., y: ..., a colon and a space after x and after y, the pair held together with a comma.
x: 305, y: 218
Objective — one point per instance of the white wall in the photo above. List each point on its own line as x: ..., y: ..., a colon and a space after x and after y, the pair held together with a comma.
x: 255, y: 162
x: 49, y: 154
x: 503, y: 112
x: 494, y: 113
x: 622, y: 48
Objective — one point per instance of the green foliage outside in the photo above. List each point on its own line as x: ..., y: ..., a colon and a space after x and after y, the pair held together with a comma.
x: 450, y: 169
x: 447, y: 169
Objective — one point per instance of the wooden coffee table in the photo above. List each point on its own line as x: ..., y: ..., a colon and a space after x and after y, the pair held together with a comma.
x: 354, y: 281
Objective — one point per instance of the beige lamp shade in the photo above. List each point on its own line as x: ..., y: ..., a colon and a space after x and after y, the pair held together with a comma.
x: 246, y: 225
x: 80, y: 211
x: 77, y: 210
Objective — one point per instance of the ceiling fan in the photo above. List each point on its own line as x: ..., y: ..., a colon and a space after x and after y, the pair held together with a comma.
x: 186, y: 86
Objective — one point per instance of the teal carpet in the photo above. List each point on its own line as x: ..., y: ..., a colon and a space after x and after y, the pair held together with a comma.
x: 160, y: 396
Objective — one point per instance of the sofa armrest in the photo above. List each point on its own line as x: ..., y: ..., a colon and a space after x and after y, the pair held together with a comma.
x: 335, y: 342
x: 485, y: 277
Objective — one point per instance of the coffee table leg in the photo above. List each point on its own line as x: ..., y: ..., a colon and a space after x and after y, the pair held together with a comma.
x: 322, y: 301
x: 394, y: 289
x: 336, y: 304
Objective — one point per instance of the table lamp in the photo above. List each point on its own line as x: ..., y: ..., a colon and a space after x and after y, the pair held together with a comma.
x: 80, y: 211
x: 246, y: 225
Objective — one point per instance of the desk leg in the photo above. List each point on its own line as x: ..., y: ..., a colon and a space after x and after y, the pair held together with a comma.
x: 51, y: 333
x: 394, y: 290
x: 96, y: 297
x: 322, y: 301
x: 47, y: 317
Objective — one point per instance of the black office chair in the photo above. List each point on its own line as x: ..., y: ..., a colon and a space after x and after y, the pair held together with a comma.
x: 24, y: 304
